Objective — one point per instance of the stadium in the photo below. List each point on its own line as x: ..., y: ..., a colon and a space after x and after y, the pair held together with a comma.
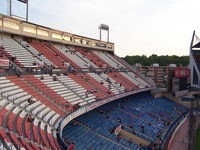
x: 63, y: 91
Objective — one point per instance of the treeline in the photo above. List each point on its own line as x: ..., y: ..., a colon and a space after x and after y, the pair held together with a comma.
x: 161, y: 60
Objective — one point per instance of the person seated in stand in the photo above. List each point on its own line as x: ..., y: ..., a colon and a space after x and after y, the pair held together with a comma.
x: 108, y: 80
x: 130, y: 141
x: 133, y: 131
x: 140, y: 146
x: 86, y: 94
x: 34, y: 63
x: 95, y: 90
x: 119, y: 138
x: 30, y: 100
x: 97, y: 98
x: 109, y: 92
x: 40, y: 54
x: 58, y: 73
x: 41, y: 77
x: 1, y: 53
x: 13, y: 57
x: 101, y: 111
x: 55, y: 78
x: 142, y: 126
x: 76, y: 106
x: 150, y: 123
x: 131, y: 126
x: 67, y: 104
x: 74, y: 124
x: 30, y: 118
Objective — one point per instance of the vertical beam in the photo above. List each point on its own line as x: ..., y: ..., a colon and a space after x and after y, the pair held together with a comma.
x: 10, y: 8
x: 27, y: 11
x: 108, y: 35
x: 2, y: 28
x: 100, y: 34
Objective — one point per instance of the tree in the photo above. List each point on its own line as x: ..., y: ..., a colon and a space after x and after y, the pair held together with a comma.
x: 163, y: 60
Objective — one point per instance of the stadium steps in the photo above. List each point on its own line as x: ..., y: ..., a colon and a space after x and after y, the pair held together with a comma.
x: 105, y: 83
x: 34, y: 52
x: 23, y: 57
x: 115, y: 75
x: 61, y: 89
x: 99, y: 62
x: 94, y: 82
x: 90, y: 57
x: 117, y: 64
x: 50, y: 55
x: 114, y: 83
x: 63, y: 56
x: 87, y: 85
x: 45, y: 90
x: 133, y: 79
x: 135, y: 72
x: 36, y: 93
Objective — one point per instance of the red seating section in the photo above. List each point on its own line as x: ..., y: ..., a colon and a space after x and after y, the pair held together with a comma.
x: 32, y: 91
x: 64, y: 57
x: 47, y: 91
x: 99, y: 62
x: 86, y: 84
x: 53, y: 57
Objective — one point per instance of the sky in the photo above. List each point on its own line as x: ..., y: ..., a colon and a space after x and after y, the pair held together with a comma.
x: 137, y: 27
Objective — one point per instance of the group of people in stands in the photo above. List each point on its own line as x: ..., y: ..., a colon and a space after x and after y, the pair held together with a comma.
x: 94, y: 90
x: 76, y: 106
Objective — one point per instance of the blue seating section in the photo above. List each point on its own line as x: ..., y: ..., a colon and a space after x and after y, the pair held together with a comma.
x: 93, y: 129
x: 85, y: 138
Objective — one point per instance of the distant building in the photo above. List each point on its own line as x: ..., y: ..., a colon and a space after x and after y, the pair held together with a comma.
x: 157, y: 74
x: 172, y: 65
x: 155, y: 65
x: 161, y: 75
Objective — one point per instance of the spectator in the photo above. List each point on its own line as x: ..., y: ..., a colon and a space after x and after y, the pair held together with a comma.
x: 55, y: 78
x: 30, y: 100
x: 13, y: 58
x: 150, y: 123
x: 86, y: 94
x: 133, y: 131
x: 41, y: 77
x: 131, y: 126
x: 119, y: 138
x: 130, y: 141
x: 40, y: 54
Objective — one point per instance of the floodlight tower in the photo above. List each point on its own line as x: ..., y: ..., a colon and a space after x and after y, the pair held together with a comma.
x: 106, y: 28
x: 9, y: 3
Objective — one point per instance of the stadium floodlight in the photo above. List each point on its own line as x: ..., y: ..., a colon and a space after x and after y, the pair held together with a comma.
x: 106, y: 28
x: 22, y: 1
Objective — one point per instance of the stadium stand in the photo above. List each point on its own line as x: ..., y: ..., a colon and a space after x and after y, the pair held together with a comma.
x: 71, y: 96
x: 197, y: 57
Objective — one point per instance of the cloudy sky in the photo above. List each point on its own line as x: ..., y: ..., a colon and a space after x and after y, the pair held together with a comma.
x: 137, y: 27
